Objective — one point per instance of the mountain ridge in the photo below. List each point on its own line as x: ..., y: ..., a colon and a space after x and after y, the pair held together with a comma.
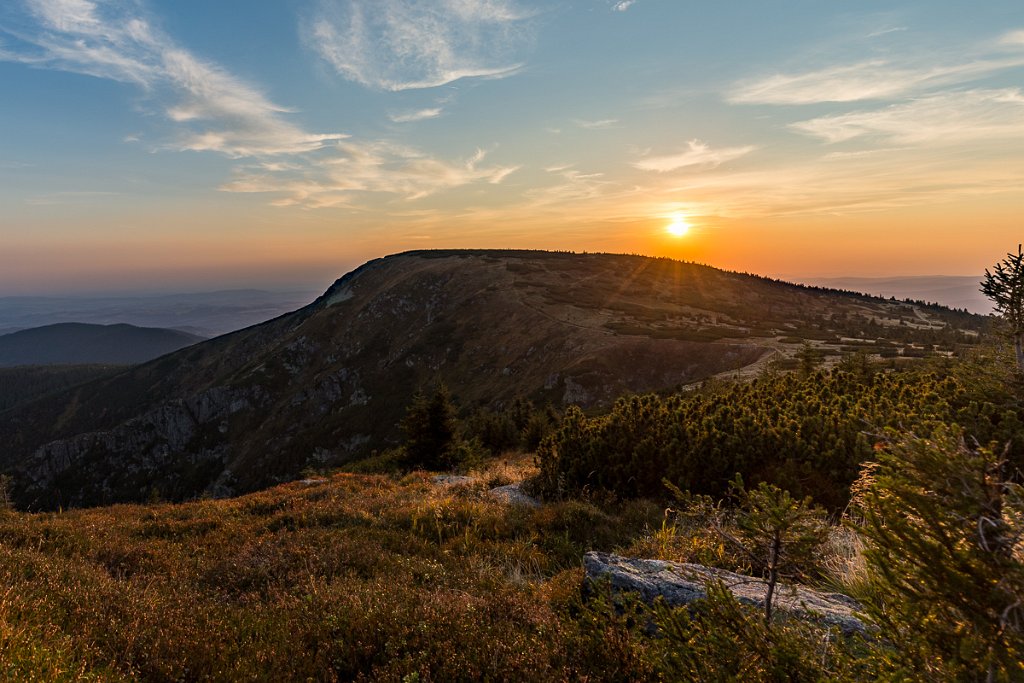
x: 329, y: 382
x: 953, y: 291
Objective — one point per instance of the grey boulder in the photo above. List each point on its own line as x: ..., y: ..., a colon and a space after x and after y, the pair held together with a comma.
x: 680, y: 584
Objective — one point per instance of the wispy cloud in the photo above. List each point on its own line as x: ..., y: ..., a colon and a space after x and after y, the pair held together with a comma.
x: 943, y: 118
x: 872, y: 182
x: 353, y: 169
x: 866, y: 80
x: 405, y: 44
x: 887, y: 31
x: 572, y: 187
x: 1013, y: 38
x: 697, y: 154
x: 595, y: 125
x: 418, y: 115
x: 927, y: 136
x: 623, y: 5
x: 210, y: 109
x: 213, y: 110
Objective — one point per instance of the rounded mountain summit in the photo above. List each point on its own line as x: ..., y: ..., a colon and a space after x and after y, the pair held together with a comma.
x: 329, y: 383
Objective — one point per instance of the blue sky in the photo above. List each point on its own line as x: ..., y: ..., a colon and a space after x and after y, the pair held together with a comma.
x: 171, y: 145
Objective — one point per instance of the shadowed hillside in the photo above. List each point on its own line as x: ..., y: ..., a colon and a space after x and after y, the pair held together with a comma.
x: 82, y: 343
x: 328, y: 383
x: 204, y: 313
x: 25, y: 383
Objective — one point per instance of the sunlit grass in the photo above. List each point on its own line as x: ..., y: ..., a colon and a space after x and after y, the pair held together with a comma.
x: 358, y: 576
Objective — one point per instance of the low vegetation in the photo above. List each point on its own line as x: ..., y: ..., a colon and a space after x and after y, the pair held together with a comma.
x: 808, y: 433
x: 352, y: 576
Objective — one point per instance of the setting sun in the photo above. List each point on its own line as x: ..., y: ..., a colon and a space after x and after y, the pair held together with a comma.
x: 678, y: 227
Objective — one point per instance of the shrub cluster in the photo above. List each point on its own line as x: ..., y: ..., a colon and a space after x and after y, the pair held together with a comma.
x: 808, y: 434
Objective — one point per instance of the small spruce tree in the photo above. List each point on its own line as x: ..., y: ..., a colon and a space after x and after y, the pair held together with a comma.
x: 777, y: 535
x: 431, y: 430
x: 1004, y: 284
x: 809, y: 357
x: 777, y: 532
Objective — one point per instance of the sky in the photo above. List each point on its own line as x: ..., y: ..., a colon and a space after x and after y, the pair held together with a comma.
x: 153, y: 145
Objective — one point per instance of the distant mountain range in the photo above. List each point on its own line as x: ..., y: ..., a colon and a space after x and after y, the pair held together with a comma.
x: 955, y: 291
x: 329, y: 382
x: 82, y: 343
x: 206, y: 313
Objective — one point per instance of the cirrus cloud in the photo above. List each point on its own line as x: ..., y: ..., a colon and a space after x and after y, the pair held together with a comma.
x: 209, y: 109
x: 352, y: 169
x: 696, y: 154
x: 941, y: 118
x: 213, y: 110
x: 399, y: 45
x: 418, y: 115
x: 868, y: 80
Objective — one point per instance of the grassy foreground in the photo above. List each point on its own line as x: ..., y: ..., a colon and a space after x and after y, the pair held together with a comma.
x: 397, y: 578
x: 353, y: 576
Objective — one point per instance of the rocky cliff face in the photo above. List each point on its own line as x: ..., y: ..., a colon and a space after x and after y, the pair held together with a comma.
x: 329, y: 382
x: 172, y: 450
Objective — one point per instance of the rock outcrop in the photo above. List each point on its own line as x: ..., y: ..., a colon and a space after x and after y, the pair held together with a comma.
x: 513, y: 495
x: 510, y: 494
x: 164, y: 452
x: 680, y: 584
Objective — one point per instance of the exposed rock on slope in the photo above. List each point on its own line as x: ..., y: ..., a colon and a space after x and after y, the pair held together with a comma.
x: 329, y: 382
x: 680, y: 584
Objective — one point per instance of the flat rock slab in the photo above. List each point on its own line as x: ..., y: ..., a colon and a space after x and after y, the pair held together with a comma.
x: 679, y: 584
x: 513, y: 495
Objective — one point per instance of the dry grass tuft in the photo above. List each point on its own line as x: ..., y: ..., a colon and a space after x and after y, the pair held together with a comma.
x: 844, y: 564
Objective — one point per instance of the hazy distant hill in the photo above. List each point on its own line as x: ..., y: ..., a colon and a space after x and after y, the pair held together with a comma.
x: 205, y: 313
x: 955, y: 291
x: 81, y: 343
x: 329, y: 382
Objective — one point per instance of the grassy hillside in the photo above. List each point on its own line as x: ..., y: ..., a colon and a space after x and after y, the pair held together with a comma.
x: 352, y: 577
x: 360, y: 577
